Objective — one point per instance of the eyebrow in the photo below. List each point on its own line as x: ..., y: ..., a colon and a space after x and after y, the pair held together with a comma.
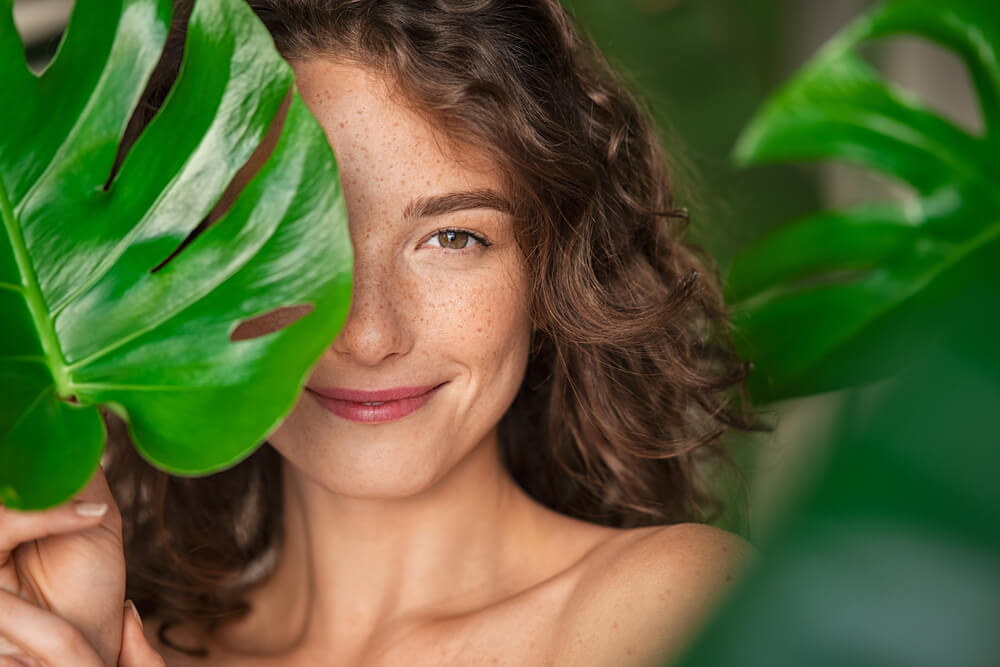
x: 451, y: 202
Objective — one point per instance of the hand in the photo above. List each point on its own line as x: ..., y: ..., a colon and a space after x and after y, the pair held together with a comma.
x: 62, y: 585
x: 41, y: 639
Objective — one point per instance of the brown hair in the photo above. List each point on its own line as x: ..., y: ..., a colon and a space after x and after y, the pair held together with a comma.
x: 632, y: 379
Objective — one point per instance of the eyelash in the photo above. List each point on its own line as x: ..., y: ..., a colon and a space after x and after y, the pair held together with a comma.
x: 482, y: 241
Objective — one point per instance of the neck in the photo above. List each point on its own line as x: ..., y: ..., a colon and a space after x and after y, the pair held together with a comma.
x: 350, y: 568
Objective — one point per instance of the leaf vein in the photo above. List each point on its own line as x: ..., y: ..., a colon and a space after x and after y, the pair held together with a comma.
x: 31, y: 406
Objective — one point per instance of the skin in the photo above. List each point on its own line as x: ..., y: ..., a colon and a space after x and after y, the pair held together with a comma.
x: 407, y: 542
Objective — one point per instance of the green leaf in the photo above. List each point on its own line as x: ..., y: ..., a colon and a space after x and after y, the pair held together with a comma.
x: 891, y: 557
x: 94, y: 314
x: 836, y: 286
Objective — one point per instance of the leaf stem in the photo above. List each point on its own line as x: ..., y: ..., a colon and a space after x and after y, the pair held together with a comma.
x: 33, y: 296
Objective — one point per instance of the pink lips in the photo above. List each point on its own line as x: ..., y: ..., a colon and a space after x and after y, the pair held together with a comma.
x: 373, y: 407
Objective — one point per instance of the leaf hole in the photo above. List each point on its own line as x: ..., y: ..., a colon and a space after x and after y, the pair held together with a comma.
x: 188, y: 240
x: 158, y: 87
x: 933, y: 74
x: 845, y: 185
x: 269, y: 322
x: 41, y: 24
x: 240, y: 180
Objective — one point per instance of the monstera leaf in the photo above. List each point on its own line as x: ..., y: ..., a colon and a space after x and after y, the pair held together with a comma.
x: 107, y: 297
x: 820, y: 303
x: 891, y: 556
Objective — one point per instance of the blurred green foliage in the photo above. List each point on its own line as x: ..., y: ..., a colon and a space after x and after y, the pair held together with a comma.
x: 704, y: 66
x: 890, y: 557
x: 822, y: 302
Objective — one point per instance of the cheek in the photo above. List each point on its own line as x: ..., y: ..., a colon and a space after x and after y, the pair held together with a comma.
x: 482, y: 322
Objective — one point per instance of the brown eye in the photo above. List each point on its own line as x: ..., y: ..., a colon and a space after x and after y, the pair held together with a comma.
x: 456, y: 239
x: 453, y: 239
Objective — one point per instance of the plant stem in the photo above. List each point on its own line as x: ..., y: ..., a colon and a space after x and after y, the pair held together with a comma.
x: 33, y: 297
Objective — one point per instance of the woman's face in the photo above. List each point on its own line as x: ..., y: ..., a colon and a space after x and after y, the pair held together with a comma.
x: 437, y: 339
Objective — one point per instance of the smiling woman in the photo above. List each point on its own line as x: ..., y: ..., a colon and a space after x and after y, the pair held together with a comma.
x: 497, y: 459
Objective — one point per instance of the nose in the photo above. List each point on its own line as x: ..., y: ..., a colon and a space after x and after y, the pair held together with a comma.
x: 375, y: 329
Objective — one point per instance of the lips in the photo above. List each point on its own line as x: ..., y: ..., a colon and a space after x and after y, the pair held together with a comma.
x: 373, y: 407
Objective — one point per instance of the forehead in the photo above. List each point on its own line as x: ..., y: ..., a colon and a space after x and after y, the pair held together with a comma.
x: 385, y: 148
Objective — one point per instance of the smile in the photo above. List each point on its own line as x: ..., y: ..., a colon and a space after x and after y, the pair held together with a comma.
x: 373, y: 407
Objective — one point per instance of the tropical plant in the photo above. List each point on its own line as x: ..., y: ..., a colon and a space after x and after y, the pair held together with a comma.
x: 820, y: 302
x: 891, y: 556
x: 111, y: 291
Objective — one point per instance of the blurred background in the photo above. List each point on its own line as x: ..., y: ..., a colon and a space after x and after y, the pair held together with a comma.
x: 704, y: 67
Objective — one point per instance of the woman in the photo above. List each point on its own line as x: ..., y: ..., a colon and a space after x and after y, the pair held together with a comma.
x: 496, y: 460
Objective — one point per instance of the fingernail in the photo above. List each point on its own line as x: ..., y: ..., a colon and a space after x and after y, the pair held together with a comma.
x: 135, y: 612
x: 90, y: 509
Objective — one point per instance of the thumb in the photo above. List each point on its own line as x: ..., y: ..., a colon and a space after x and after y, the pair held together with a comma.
x: 136, y: 650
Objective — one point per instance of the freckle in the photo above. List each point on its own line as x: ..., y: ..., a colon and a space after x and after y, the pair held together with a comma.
x: 630, y: 652
x: 343, y: 124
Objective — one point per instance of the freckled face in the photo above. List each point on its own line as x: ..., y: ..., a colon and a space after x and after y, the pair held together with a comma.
x: 440, y: 296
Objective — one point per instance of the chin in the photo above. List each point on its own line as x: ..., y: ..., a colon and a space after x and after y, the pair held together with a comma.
x: 374, y: 482
x: 372, y: 466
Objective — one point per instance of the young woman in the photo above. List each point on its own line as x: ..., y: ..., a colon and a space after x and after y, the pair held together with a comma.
x: 500, y: 457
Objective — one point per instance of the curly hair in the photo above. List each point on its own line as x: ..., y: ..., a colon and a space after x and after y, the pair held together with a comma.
x: 632, y: 378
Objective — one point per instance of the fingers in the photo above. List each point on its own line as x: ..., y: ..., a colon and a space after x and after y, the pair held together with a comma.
x: 19, y: 527
x: 97, y: 489
x: 32, y: 633
x: 92, y: 506
x: 136, y: 651
x: 12, y: 656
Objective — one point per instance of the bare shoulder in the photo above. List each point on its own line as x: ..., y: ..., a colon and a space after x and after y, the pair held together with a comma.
x: 645, y: 591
